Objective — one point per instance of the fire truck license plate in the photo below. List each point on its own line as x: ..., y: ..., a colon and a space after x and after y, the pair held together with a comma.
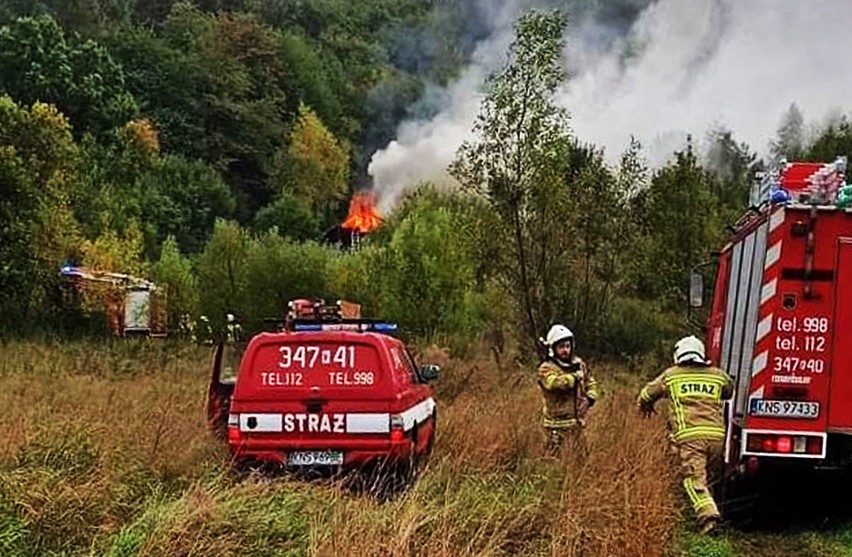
x: 784, y: 408
x: 314, y: 458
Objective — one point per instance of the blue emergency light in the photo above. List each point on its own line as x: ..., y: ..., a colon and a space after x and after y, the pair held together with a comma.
x: 779, y: 195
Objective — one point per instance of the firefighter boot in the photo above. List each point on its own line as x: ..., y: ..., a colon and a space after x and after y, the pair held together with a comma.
x: 709, y: 526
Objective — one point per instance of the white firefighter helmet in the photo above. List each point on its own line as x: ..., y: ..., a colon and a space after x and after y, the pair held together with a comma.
x: 557, y: 334
x: 689, y: 349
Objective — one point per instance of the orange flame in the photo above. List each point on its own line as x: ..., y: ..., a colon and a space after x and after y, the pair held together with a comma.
x: 363, y: 215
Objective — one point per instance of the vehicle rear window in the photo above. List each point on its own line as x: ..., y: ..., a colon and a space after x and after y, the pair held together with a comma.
x: 298, y: 365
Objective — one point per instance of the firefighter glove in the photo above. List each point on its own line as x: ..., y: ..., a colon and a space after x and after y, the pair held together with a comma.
x: 647, y: 410
x: 591, y: 401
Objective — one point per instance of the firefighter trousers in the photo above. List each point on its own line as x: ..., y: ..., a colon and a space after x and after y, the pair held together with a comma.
x: 571, y: 438
x: 701, y: 464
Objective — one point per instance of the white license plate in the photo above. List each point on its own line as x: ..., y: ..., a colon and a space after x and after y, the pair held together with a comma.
x: 784, y: 408
x: 315, y: 458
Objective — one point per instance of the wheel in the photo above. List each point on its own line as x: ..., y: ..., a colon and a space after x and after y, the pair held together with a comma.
x: 737, y: 498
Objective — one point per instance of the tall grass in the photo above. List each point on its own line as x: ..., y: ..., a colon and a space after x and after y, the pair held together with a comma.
x: 104, y: 452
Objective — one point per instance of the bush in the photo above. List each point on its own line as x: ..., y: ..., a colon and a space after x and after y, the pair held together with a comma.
x: 426, y: 273
x: 278, y: 270
x: 635, y: 328
x: 289, y: 216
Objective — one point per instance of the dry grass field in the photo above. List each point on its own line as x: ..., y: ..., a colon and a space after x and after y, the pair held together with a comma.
x: 104, y: 451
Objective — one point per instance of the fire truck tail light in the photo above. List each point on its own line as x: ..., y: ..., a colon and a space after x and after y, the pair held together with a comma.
x: 783, y: 444
x: 814, y: 445
x: 234, y: 436
x: 397, y: 431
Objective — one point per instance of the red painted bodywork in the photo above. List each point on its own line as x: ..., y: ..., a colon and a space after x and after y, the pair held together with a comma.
x: 802, y: 312
x: 840, y: 410
x: 394, y: 389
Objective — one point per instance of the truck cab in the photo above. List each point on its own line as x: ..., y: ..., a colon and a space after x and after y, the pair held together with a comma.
x: 327, y: 391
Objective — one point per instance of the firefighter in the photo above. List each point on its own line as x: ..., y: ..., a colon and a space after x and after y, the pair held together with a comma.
x: 696, y: 390
x: 233, y: 329
x: 206, y: 329
x: 568, y: 390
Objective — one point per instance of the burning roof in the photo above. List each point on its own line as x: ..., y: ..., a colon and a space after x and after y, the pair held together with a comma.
x: 363, y: 215
x: 362, y: 219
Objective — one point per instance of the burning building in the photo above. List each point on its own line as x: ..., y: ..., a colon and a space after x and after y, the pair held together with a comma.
x: 362, y: 219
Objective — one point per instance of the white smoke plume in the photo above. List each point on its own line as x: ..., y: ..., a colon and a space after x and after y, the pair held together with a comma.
x: 691, y: 65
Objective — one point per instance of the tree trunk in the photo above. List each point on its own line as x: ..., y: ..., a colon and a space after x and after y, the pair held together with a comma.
x: 529, y: 310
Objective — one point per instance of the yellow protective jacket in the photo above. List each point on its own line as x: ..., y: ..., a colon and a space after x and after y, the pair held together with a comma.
x: 696, y: 394
x: 565, y: 396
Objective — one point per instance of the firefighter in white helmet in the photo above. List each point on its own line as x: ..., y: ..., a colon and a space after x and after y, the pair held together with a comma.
x: 696, y: 390
x: 567, y: 387
x: 233, y: 328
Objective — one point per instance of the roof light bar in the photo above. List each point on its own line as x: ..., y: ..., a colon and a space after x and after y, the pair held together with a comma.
x: 363, y: 327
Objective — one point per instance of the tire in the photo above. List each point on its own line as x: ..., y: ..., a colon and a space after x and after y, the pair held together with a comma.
x: 738, y: 497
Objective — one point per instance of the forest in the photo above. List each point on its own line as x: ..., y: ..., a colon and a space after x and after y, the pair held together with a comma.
x: 211, y: 146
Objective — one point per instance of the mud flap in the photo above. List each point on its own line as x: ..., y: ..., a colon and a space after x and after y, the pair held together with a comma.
x: 218, y: 396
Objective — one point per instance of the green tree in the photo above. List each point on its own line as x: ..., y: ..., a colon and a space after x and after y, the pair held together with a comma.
x: 290, y: 216
x: 309, y: 80
x: 174, y: 274
x: 595, y: 217
x: 790, y: 140
x: 170, y: 87
x: 680, y: 225
x: 183, y: 199
x: 166, y: 194
x: 316, y: 167
x: 426, y: 272
x: 832, y: 142
x: 732, y: 165
x: 215, y: 86
x: 279, y: 270
x: 38, y: 63
x: 38, y: 183
x: 518, y: 159
x: 89, y: 18
x: 117, y: 253
x: 222, y: 273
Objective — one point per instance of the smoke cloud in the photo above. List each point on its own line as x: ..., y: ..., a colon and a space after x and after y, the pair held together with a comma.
x: 678, y: 68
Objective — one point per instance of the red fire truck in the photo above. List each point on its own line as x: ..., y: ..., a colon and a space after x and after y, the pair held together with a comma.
x: 782, y: 306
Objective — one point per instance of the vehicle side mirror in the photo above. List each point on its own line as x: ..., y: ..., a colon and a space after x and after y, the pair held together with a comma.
x: 429, y: 372
x: 696, y: 289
